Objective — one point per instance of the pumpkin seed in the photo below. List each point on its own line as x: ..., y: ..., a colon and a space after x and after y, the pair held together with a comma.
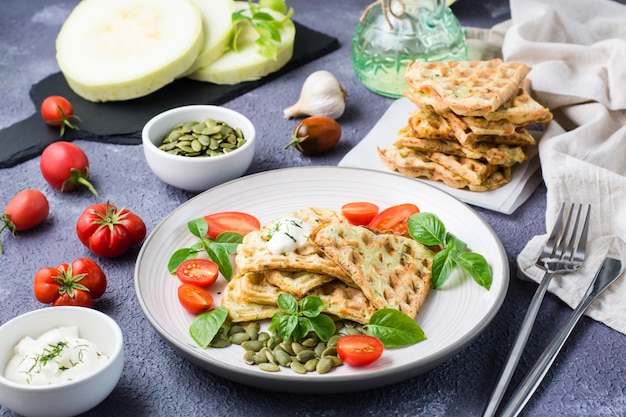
x: 239, y: 338
x: 269, y: 367
x: 298, y: 367
x: 320, y: 348
x: 324, y: 365
x: 236, y: 328
x: 310, y: 342
x: 265, y: 338
x: 296, y: 348
x: 220, y: 342
x: 253, y: 345
x: 248, y: 357
x: 330, y: 351
x: 311, y: 364
x: 286, y: 346
x: 305, y: 355
x: 332, y: 341
x: 253, y: 330
x: 206, y: 138
x: 282, y: 357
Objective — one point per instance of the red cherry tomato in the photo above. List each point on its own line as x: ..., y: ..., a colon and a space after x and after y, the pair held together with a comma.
x: 394, y: 218
x: 231, y: 221
x: 75, y: 284
x: 27, y: 209
x: 201, y: 272
x: 359, y: 213
x: 64, y: 166
x: 58, y: 111
x: 194, y: 299
x: 109, y: 232
x: 359, y: 349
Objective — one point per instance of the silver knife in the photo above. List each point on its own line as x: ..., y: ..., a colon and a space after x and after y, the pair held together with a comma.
x: 608, y: 273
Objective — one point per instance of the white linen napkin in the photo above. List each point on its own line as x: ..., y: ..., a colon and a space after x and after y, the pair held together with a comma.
x: 577, y: 51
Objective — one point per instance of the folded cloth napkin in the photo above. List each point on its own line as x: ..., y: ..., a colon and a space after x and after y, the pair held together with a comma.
x: 577, y: 51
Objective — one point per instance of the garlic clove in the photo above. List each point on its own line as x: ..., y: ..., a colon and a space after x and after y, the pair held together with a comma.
x: 321, y: 95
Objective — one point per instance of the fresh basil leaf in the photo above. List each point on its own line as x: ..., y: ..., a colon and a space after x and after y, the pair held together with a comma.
x: 394, y: 328
x: 288, y: 303
x: 478, y: 268
x: 323, y: 326
x: 206, y: 325
x: 302, y: 328
x: 199, y: 246
x: 198, y: 227
x: 444, y: 264
x: 229, y: 237
x: 454, y: 243
x: 427, y: 229
x: 178, y: 257
x: 286, y: 326
x: 274, y: 323
x: 220, y: 256
x: 312, y: 306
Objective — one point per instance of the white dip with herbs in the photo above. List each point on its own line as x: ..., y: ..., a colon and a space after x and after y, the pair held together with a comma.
x: 288, y: 234
x: 58, y: 355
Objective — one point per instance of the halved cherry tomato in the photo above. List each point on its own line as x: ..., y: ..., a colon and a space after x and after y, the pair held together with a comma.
x: 194, y: 299
x: 201, y: 272
x: 231, y: 221
x: 359, y: 213
x: 394, y: 218
x: 359, y: 349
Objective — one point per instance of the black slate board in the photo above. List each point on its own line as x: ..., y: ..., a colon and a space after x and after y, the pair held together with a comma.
x: 121, y: 122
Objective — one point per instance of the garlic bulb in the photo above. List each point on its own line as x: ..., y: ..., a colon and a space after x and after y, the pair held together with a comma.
x: 321, y: 95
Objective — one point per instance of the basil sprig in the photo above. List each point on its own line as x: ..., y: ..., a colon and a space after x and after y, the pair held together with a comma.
x: 429, y: 230
x: 298, y: 319
x: 219, y: 250
x: 264, y: 23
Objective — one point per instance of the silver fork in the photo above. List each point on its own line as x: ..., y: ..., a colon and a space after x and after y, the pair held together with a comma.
x: 563, y: 252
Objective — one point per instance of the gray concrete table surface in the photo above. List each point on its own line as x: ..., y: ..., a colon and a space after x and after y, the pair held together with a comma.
x: 587, y: 379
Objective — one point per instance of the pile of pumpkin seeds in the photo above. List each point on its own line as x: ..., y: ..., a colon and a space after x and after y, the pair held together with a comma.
x: 207, y: 138
x: 271, y: 353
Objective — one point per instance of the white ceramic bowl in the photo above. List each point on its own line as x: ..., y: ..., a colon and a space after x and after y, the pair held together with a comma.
x: 197, y: 173
x: 64, y: 398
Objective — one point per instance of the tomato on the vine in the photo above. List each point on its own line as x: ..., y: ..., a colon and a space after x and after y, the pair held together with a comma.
x: 194, y: 299
x: 359, y: 213
x: 198, y: 271
x: 29, y: 208
x: 315, y: 134
x: 57, y: 111
x: 359, y: 349
x: 78, y: 283
x: 64, y: 166
x: 394, y: 218
x: 109, y: 232
x: 231, y: 221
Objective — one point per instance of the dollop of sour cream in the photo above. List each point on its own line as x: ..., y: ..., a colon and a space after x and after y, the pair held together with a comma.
x: 287, y: 234
x: 56, y: 356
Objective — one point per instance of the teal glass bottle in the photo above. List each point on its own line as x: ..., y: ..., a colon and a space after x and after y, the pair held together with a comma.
x: 393, y: 33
